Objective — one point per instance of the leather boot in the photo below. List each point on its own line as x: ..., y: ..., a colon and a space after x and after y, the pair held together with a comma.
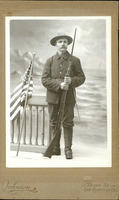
x: 56, y: 150
x: 68, y: 132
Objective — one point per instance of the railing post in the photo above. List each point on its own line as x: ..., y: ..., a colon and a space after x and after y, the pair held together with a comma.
x: 12, y: 131
x: 24, y: 137
x: 43, y: 126
x: 30, y: 139
x: 49, y: 134
x: 18, y: 125
x: 36, y: 125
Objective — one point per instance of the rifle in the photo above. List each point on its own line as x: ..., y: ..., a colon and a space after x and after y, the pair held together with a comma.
x: 25, y: 104
x: 49, y: 150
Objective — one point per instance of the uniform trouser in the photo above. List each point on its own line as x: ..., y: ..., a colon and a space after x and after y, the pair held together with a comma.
x: 67, y: 122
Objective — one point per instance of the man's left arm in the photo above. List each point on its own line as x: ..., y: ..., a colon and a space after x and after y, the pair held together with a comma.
x: 79, y: 76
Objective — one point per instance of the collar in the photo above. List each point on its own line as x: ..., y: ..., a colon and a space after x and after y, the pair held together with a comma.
x: 62, y: 56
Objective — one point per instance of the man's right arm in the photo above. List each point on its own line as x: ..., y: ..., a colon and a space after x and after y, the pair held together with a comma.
x: 47, y: 81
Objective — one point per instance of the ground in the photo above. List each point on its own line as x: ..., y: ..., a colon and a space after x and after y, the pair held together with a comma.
x: 88, y: 151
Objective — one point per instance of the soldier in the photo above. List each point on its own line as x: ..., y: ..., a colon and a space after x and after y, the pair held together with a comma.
x: 54, y: 79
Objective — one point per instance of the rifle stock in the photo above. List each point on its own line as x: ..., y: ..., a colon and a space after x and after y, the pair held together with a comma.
x: 49, y: 150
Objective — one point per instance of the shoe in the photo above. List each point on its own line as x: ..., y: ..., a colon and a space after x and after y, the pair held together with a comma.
x: 56, y: 151
x: 68, y: 154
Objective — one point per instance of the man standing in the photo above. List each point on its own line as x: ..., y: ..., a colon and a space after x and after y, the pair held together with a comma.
x: 55, y: 80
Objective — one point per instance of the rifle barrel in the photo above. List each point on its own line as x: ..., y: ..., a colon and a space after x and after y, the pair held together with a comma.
x: 73, y: 41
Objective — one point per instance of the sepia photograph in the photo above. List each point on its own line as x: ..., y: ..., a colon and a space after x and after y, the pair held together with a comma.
x: 59, y: 100
x: 58, y: 92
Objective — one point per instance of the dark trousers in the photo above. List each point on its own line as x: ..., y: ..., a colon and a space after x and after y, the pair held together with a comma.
x: 67, y: 118
x: 67, y: 122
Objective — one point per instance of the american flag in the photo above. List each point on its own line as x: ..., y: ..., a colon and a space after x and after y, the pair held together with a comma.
x: 18, y: 96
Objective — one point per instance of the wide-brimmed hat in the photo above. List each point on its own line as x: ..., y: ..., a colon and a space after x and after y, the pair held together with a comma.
x: 54, y: 39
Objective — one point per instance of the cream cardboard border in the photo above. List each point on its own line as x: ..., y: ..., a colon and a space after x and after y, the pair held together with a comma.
x: 60, y: 183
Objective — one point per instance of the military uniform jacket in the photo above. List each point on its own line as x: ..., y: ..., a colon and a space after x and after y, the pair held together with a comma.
x: 54, y: 72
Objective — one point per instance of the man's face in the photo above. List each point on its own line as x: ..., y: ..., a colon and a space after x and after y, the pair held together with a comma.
x: 62, y: 45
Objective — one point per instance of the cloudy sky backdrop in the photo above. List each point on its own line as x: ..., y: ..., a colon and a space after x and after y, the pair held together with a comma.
x: 34, y: 36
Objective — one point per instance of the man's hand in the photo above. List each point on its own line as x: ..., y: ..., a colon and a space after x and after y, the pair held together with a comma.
x: 64, y: 86
x: 67, y: 80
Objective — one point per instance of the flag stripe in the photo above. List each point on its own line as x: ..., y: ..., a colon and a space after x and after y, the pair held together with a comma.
x: 15, y: 97
x: 25, y: 88
x: 15, y: 106
x: 15, y: 114
x: 18, y: 95
x: 16, y: 89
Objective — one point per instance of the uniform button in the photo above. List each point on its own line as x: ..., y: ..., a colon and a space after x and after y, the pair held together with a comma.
x: 60, y: 72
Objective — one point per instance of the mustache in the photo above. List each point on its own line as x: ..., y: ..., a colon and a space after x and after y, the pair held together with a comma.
x: 63, y: 47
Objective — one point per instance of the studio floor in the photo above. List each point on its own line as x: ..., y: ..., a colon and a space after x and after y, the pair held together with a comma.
x: 83, y: 156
